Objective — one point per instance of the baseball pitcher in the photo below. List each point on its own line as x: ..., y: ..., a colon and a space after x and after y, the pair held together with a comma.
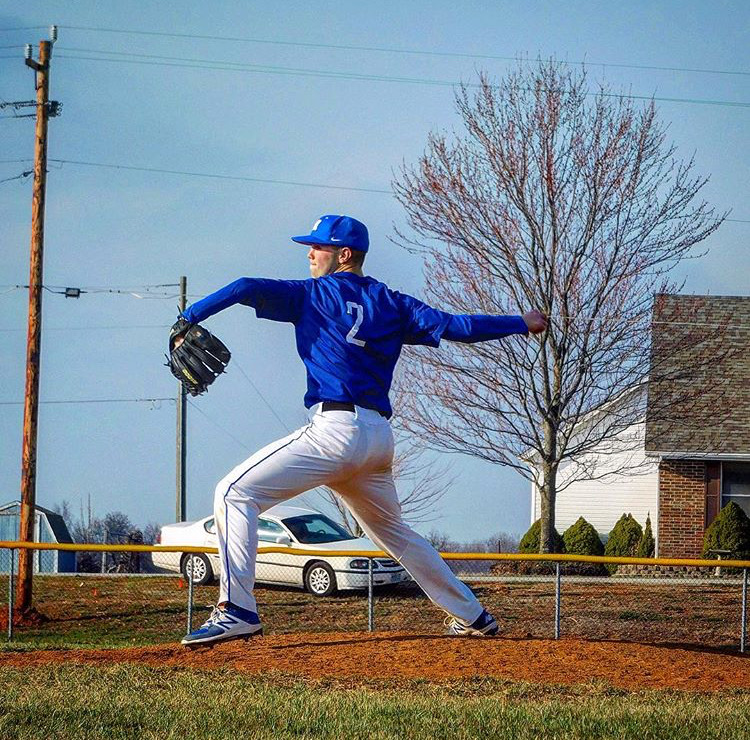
x: 350, y: 329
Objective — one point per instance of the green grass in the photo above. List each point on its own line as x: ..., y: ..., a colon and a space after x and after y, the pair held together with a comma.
x: 630, y: 614
x: 120, y: 702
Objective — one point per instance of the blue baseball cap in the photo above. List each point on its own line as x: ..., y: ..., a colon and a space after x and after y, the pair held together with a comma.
x: 337, y: 231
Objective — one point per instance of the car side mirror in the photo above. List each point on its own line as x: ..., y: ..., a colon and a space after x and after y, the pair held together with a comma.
x: 284, y: 540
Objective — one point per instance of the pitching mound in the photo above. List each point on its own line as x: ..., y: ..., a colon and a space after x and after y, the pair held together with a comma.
x: 389, y: 655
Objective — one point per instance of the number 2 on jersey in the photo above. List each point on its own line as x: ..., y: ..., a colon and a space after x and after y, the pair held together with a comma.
x: 359, y: 315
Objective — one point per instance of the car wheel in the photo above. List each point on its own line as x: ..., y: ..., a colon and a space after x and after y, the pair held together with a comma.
x: 320, y: 580
x: 202, y: 567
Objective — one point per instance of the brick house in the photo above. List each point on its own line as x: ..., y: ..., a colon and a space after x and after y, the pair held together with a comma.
x: 703, y: 448
x: 692, y: 451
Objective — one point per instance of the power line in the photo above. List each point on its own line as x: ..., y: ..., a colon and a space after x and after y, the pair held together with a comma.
x: 142, y: 295
x: 219, y: 177
x: 262, y: 397
x: 300, y: 72
x: 396, y: 50
x: 66, y: 291
x: 250, y: 179
x: 94, y: 400
x: 240, y: 178
x: 94, y: 288
x: 740, y: 326
x: 17, y: 177
x: 218, y: 426
x: 96, y: 328
x: 262, y: 69
x: 215, y: 176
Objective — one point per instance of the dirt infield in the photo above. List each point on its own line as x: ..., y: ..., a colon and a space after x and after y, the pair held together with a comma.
x: 392, y: 655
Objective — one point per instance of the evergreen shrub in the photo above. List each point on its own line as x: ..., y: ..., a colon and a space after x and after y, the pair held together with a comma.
x: 623, y: 539
x: 530, y: 545
x: 646, y: 545
x: 729, y: 531
x: 581, y: 538
x: 530, y: 541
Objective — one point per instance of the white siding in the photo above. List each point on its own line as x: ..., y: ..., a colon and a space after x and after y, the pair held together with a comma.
x: 603, y: 502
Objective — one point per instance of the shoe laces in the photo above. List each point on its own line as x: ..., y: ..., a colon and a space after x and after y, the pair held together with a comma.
x: 215, y: 613
x: 453, y: 624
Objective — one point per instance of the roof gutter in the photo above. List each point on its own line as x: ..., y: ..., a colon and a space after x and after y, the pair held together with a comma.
x: 684, y: 455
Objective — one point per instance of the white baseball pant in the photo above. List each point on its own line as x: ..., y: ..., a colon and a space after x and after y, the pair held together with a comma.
x: 351, y: 453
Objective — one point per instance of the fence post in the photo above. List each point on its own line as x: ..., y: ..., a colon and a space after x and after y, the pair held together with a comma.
x: 103, y: 567
x: 370, y: 602
x: 191, y: 579
x: 11, y: 572
x: 557, y: 600
x: 743, y: 622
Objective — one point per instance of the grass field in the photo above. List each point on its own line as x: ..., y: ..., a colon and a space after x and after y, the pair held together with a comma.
x: 136, y: 701
x: 126, y: 701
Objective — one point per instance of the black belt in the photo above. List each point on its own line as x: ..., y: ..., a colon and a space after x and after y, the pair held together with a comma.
x: 341, y: 406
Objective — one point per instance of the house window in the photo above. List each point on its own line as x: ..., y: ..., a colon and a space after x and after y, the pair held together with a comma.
x: 735, y: 485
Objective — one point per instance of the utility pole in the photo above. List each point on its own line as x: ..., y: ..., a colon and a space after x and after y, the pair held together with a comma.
x: 181, y: 510
x: 33, y: 350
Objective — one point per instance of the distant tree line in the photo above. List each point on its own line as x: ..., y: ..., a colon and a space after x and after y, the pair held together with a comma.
x: 114, y: 528
x: 498, y: 542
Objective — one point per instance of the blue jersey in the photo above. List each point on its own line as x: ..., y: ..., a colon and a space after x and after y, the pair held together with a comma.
x: 350, y: 329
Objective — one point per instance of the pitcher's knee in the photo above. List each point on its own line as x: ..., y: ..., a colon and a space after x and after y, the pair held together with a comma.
x: 395, y: 539
x: 247, y: 496
x: 220, y: 492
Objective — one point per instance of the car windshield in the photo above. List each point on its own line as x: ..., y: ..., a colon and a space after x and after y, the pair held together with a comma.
x: 312, y: 529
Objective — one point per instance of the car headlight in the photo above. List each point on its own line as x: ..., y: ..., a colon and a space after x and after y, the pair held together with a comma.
x: 360, y: 564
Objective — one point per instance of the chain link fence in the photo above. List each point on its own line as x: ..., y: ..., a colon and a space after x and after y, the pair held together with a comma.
x: 158, y: 595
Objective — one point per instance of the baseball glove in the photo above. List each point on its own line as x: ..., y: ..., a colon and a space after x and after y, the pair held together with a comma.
x: 198, y: 359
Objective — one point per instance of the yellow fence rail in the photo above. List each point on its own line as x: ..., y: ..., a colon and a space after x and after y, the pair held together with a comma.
x: 549, y: 557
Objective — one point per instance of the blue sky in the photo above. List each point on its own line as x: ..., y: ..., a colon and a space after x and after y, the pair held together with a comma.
x: 129, y: 229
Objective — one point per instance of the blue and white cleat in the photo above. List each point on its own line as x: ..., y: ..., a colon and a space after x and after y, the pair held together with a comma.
x: 229, y: 623
x: 483, y: 626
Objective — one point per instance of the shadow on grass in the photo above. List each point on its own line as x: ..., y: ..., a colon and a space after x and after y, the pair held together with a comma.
x: 729, y: 650
x: 369, y: 637
x: 732, y: 650
x: 117, y: 615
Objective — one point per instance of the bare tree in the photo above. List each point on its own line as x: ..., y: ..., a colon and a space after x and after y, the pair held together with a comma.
x: 63, y: 509
x: 151, y: 533
x: 114, y: 528
x: 498, y: 542
x: 441, y: 541
x: 117, y: 526
x: 423, y: 481
x: 565, y: 201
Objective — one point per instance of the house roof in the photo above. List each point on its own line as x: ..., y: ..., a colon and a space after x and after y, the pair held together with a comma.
x: 699, y: 388
x: 56, y: 523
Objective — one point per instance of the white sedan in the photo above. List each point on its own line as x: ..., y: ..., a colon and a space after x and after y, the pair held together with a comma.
x: 286, y: 526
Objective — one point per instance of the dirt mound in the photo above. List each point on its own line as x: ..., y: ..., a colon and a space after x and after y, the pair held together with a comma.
x: 388, y: 655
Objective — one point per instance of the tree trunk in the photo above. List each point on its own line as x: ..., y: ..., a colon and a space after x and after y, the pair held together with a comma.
x: 548, y: 489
